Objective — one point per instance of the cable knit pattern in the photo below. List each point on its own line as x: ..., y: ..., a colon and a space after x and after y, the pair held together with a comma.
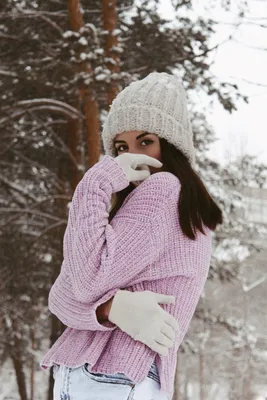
x: 156, y: 104
x: 143, y: 248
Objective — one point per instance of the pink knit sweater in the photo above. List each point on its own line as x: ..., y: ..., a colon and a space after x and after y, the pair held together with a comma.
x: 143, y: 248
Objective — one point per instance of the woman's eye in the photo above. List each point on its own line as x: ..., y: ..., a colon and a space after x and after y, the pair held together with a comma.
x: 121, y: 148
x: 147, y: 141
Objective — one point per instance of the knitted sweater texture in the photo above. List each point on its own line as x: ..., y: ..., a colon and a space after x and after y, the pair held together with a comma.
x: 143, y: 248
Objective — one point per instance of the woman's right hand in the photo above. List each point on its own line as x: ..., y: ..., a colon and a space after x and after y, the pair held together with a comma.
x: 140, y: 316
x: 135, y: 166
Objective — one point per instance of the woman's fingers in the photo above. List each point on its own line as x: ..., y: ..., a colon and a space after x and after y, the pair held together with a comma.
x: 170, y: 320
x: 144, y: 159
x: 164, y: 298
x: 136, y: 166
x: 140, y: 175
x: 164, y: 340
x: 158, y: 348
x: 168, y: 332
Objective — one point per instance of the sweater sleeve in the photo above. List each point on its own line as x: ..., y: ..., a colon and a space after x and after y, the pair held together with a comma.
x: 98, y: 256
x: 74, y: 313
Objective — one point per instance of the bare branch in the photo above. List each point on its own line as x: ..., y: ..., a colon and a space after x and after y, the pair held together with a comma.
x: 51, y: 105
x: 255, y: 24
x: 67, y: 150
x: 50, y: 228
x: 52, y: 23
x: 250, y: 82
x: 13, y: 15
x: 29, y: 211
x: 52, y: 197
x: 58, y: 184
x: 8, y: 73
x: 3, y: 36
x: 257, y: 18
x: 5, y: 150
x: 258, y: 282
x: 47, y: 124
x: 50, y: 102
x: 250, y: 46
x: 18, y: 188
x: 240, y: 23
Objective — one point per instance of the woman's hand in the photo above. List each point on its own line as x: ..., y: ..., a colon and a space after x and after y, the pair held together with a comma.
x: 140, y: 316
x: 135, y: 166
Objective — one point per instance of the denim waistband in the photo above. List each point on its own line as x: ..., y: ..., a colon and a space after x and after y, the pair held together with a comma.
x: 152, y: 374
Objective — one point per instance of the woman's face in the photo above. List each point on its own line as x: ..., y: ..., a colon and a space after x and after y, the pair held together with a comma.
x: 139, y: 142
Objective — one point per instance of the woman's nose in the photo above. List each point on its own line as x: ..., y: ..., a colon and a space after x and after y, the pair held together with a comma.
x: 136, y: 151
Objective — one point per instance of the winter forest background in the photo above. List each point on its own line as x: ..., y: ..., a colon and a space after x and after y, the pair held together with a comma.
x: 62, y: 63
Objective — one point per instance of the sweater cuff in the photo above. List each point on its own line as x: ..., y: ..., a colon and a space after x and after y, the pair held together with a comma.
x: 114, y: 174
x: 108, y: 326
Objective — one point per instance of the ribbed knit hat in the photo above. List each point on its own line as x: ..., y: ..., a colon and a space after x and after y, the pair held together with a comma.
x: 156, y: 104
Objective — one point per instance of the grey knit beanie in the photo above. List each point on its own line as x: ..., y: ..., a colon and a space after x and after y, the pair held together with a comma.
x: 156, y: 104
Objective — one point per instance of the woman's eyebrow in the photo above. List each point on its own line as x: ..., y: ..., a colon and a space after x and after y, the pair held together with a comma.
x: 142, y: 134
x: 138, y: 137
x: 119, y: 141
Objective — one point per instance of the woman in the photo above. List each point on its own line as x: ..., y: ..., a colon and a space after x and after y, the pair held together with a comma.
x: 152, y: 247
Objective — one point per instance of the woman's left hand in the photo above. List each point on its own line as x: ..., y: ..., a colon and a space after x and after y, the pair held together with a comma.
x: 140, y: 315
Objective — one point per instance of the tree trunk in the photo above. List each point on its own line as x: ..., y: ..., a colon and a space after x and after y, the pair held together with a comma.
x: 91, y: 111
x: 33, y: 366
x: 110, y: 24
x: 201, y: 375
x: 186, y: 383
x: 177, y: 384
x: 17, y: 359
x: 57, y: 327
x: 76, y: 147
x: 247, y: 379
x: 87, y: 96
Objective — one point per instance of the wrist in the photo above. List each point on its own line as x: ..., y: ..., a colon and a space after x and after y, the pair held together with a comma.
x: 102, y: 311
x: 108, y: 307
x: 116, y: 174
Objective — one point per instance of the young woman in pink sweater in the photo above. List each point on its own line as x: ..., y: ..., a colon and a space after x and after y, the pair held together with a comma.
x: 136, y: 251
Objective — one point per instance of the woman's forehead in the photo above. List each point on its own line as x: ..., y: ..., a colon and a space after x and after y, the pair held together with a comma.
x: 130, y: 135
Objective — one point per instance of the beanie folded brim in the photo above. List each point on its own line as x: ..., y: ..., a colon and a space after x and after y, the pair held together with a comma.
x: 149, y: 119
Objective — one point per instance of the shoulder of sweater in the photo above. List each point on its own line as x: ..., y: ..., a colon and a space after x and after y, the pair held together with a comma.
x: 152, y: 197
x: 163, y: 182
x: 158, y: 187
x: 163, y: 176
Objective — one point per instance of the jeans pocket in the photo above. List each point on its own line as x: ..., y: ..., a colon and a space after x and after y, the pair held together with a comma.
x: 119, y: 379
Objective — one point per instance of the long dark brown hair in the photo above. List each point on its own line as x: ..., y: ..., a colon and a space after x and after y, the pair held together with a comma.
x: 196, y: 207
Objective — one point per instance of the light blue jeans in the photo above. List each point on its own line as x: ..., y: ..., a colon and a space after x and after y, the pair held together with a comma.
x: 81, y: 384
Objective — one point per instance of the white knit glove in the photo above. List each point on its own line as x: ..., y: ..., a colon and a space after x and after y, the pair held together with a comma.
x: 142, y: 167
x: 135, y: 166
x: 140, y: 316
